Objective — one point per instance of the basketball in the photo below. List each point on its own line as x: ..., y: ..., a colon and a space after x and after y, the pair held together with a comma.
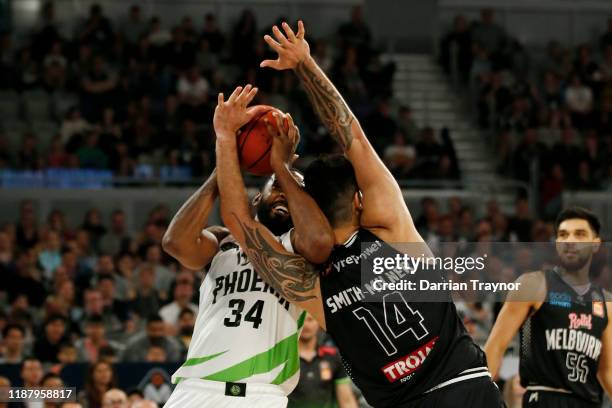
x: 255, y: 143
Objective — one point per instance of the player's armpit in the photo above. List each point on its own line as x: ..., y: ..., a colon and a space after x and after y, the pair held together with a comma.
x: 604, y: 372
x: 513, y: 314
x: 292, y: 276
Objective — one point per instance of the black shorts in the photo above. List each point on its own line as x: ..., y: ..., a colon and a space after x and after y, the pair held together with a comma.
x: 476, y: 393
x: 545, y: 399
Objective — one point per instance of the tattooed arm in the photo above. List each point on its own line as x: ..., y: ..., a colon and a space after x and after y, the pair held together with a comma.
x: 289, y: 274
x: 185, y: 239
x: 384, y: 209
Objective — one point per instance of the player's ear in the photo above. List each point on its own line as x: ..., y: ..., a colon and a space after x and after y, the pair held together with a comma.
x: 357, y: 201
x: 596, y: 244
x: 256, y: 200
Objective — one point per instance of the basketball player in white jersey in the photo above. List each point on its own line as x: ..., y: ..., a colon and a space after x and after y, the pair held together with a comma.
x: 243, y: 352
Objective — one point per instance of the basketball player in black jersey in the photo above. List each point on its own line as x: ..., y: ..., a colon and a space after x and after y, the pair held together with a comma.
x: 400, y: 353
x: 566, y: 336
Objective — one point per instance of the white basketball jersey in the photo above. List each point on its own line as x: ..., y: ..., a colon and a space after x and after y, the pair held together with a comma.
x: 244, y: 332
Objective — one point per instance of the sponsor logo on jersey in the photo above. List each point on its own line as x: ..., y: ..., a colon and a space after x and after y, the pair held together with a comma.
x: 407, y: 365
x: 580, y: 322
x: 561, y: 299
x: 598, y: 309
x: 325, y: 371
x: 356, y: 259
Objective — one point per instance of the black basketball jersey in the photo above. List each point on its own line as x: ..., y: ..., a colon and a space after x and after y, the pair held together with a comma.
x: 394, y: 350
x: 561, y: 341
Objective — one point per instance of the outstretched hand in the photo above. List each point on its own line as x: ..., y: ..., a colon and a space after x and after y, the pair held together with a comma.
x: 286, y: 138
x: 292, y: 48
x: 232, y: 114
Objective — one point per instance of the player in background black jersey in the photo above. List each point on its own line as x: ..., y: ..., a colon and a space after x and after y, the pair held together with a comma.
x: 420, y: 355
x: 566, y: 336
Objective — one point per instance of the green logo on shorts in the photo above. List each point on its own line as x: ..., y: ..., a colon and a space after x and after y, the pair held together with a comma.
x: 235, y: 390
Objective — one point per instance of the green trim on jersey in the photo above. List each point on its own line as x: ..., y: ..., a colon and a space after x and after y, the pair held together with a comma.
x: 301, y: 320
x: 284, y: 352
x: 199, y: 360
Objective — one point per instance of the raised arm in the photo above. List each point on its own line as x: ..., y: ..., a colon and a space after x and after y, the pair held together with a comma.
x: 289, y: 274
x: 312, y: 235
x: 185, y: 239
x: 384, y: 208
x: 513, y: 314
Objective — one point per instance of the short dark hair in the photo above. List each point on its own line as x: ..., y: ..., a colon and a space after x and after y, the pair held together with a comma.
x: 54, y: 318
x: 13, y: 326
x: 50, y: 375
x: 581, y: 214
x: 94, y: 319
x: 154, y: 318
x: 185, y: 311
x: 331, y: 182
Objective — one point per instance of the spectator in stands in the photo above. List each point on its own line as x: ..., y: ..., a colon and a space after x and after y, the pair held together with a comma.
x: 55, y: 67
x: 429, y: 152
x: 95, y: 338
x: 585, y: 179
x: 356, y: 34
x: 163, y: 275
x: 567, y: 153
x: 138, y: 346
x: 147, y: 298
x: 134, y: 27
x: 382, y: 125
x: 244, y: 37
x: 46, y: 347
x: 487, y: 33
x: 58, y: 157
x: 97, y: 87
x: 531, y: 152
x: 551, y: 190
x: 158, y: 387
x: 51, y: 381
x: 407, y: 124
x: 183, y: 292
x: 193, y: 90
x: 97, y: 30
x: 31, y: 373
x: 100, y: 378
x: 90, y: 155
x: 50, y: 257
x: 28, y: 157
x: 348, y: 78
x: 521, y: 222
x: 323, y: 381
x: 112, y: 305
x: 400, y: 158
x: 156, y: 353
x: 213, y: 34
x: 186, y: 323
x: 13, y: 348
x: 94, y: 306
x: 26, y: 280
x: 456, y: 50
x: 93, y: 225
x: 579, y: 100
x: 115, y: 398
x: 4, y: 383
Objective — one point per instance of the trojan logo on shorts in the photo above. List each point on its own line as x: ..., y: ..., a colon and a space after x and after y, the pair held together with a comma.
x: 580, y: 322
x: 408, y: 364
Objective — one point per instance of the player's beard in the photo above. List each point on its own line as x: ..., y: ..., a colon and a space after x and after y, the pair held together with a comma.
x: 277, y: 224
x: 576, y: 263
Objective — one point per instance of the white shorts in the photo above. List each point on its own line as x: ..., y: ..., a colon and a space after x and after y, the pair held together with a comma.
x: 196, y: 393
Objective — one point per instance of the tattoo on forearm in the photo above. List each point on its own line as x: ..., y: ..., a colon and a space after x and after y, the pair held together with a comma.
x: 328, y: 104
x: 289, y: 274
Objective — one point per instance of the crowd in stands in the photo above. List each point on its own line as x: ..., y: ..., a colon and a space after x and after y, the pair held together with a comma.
x: 549, y: 112
x: 144, y: 94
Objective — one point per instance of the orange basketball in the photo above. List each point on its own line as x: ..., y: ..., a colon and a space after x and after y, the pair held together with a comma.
x: 255, y: 143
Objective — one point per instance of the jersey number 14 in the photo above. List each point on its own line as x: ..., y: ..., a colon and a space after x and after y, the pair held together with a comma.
x: 400, y: 319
